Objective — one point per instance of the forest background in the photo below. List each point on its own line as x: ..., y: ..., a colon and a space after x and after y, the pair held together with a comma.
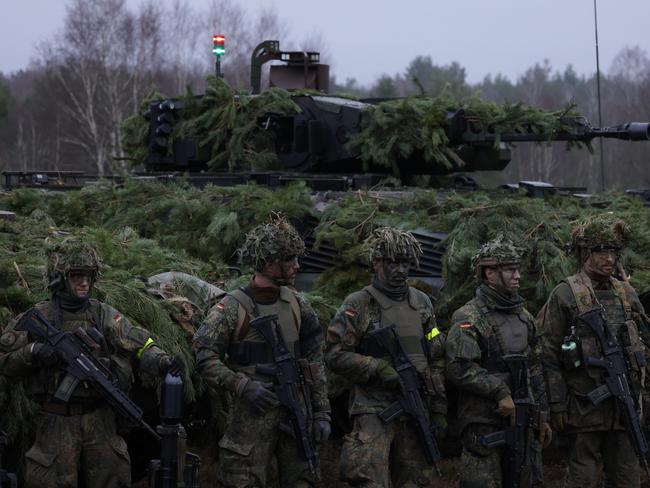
x: 64, y: 112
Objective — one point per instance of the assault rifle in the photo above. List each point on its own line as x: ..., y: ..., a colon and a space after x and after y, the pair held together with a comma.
x: 291, y: 387
x: 7, y: 480
x: 515, y: 437
x: 76, y: 352
x: 616, y: 369
x: 176, y: 467
x: 410, y: 399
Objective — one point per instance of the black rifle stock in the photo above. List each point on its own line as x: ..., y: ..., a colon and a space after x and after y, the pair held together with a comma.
x: 515, y: 436
x: 410, y: 398
x: 7, y: 480
x: 75, y: 351
x: 290, y: 386
x: 616, y: 375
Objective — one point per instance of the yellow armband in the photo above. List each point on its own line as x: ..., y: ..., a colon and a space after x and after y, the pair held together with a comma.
x: 143, y: 348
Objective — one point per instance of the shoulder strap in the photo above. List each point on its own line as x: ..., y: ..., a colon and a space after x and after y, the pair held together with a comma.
x: 621, y: 293
x: 582, y: 292
x: 290, y: 296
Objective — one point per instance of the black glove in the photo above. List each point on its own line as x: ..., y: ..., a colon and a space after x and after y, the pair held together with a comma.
x: 260, y: 396
x: 44, y: 355
x: 175, y: 365
x: 322, y: 430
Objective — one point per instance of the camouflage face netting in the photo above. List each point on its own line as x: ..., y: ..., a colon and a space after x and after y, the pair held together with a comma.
x: 497, y: 252
x: 600, y: 230
x: 71, y: 254
x: 393, y: 244
x: 274, y: 241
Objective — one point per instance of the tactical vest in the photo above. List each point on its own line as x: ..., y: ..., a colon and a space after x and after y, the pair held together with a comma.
x: 247, y: 346
x: 43, y: 385
x: 617, y: 311
x: 408, y: 322
x: 508, y: 334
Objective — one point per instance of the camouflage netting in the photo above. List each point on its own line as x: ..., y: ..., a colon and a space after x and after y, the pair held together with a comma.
x: 144, y: 228
x: 227, y: 124
x: 274, y: 241
x: 392, y: 244
x: 496, y: 252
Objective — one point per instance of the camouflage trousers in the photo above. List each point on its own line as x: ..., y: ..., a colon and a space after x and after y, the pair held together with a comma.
x: 247, y: 448
x: 79, y: 445
x: 482, y: 467
x: 367, y: 460
x: 612, y: 448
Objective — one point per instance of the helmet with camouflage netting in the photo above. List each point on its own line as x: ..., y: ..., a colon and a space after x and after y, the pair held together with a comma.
x: 70, y: 254
x: 603, y: 231
x: 393, y: 244
x: 274, y: 241
x: 496, y: 252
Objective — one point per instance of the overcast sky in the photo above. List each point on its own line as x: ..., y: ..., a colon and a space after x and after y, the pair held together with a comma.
x: 366, y: 38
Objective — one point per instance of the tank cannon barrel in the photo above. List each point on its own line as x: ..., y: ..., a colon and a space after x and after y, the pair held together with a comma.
x: 461, y: 130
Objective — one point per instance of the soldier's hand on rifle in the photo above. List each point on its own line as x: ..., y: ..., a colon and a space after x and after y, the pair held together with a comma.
x: 44, y: 355
x: 386, y: 374
x: 175, y: 365
x: 558, y: 421
x: 260, y: 395
x: 506, y: 407
x: 545, y: 434
x: 322, y: 429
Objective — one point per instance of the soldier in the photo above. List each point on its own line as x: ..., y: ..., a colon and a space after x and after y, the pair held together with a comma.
x: 229, y: 351
x: 78, y: 438
x: 486, y: 332
x: 595, y: 432
x: 366, y: 454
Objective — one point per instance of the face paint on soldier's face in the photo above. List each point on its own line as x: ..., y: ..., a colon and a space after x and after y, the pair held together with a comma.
x: 80, y: 283
x: 282, y: 273
x: 601, y: 264
x: 505, y: 278
x: 393, y: 272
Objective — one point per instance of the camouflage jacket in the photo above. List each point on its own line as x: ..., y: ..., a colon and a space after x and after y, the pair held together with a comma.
x: 125, y: 347
x: 362, y: 312
x: 213, y: 339
x: 474, y: 350
x: 569, y: 386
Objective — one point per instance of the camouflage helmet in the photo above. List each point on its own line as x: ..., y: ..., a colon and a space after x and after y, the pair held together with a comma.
x: 602, y: 230
x: 70, y: 254
x: 392, y: 244
x: 274, y: 241
x: 496, y: 252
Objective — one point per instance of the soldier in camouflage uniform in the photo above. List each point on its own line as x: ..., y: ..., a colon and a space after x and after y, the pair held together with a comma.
x: 366, y: 456
x: 228, y: 351
x: 596, y: 433
x: 488, y: 327
x: 78, y: 438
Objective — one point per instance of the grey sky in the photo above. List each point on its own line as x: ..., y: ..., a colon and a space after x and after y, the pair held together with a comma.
x: 366, y: 38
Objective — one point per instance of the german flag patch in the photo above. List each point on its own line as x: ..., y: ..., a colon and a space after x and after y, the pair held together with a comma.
x: 117, y: 317
x: 465, y: 325
x: 350, y: 313
x: 221, y: 306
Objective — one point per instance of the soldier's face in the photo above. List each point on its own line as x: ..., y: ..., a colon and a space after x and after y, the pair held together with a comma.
x: 602, y: 262
x: 504, y: 277
x: 80, y: 282
x: 393, y: 272
x: 284, y: 272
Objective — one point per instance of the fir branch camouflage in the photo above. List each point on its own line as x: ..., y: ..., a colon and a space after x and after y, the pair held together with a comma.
x: 392, y: 244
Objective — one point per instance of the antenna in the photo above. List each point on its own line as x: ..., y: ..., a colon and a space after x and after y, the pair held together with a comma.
x: 600, y: 110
